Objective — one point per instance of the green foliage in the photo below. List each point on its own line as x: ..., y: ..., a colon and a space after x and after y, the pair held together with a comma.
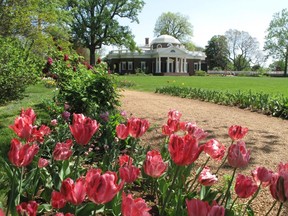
x: 200, y: 73
x: 261, y: 102
x: 17, y: 69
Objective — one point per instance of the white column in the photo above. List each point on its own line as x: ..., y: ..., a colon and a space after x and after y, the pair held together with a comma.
x: 177, y: 65
x: 181, y: 65
x: 120, y: 67
x: 200, y: 65
x: 185, y: 65
x: 156, y: 66
x: 168, y: 65
x: 159, y: 62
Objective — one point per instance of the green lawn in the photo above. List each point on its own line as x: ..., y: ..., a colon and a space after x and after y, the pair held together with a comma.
x: 273, y: 86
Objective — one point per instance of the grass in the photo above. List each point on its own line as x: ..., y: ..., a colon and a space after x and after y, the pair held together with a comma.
x: 270, y: 85
x: 34, y: 96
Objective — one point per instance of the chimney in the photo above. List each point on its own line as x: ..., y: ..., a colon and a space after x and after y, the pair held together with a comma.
x: 146, y: 41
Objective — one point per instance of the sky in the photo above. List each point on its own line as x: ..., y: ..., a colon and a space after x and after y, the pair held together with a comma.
x: 210, y: 17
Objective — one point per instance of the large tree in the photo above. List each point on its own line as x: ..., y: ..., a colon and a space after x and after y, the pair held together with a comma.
x: 174, y: 24
x: 243, y: 49
x: 96, y: 23
x: 277, y: 38
x: 217, y: 52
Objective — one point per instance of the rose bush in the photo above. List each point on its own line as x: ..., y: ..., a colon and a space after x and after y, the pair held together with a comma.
x: 65, y: 169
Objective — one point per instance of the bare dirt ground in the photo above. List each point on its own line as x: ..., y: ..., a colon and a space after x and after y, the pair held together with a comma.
x: 267, y: 137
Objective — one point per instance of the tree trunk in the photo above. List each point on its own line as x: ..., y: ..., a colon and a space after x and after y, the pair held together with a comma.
x: 92, y: 55
x: 286, y: 62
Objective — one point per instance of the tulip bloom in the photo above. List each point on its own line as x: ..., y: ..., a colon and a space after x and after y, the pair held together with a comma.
x: 102, y: 188
x: 237, y: 132
x: 54, y: 122
x: 238, y: 155
x: 137, y: 127
x: 154, y: 165
x: 22, y: 155
x: 22, y: 127
x: 184, y: 151
x: 42, y: 162
x: 206, y: 178
x: 197, y: 207
x: 2, y: 212
x: 245, y: 186
x: 279, y: 186
x: 62, y: 214
x: 129, y: 173
x: 215, y: 149
x: 29, y: 208
x: 133, y: 207
x: 58, y: 200
x: 74, y: 192
x: 122, y: 131
x: 125, y: 160
x: 38, y: 135
x: 83, y: 128
x: 174, y: 115
x: 62, y: 151
x: 262, y: 175
x: 29, y: 114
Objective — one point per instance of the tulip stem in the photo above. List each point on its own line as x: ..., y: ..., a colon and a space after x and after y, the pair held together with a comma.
x: 224, y: 160
x: 170, y: 190
x: 228, y: 189
x: 267, y: 214
x: 233, y: 203
x: 249, y: 202
x: 20, y: 186
x: 280, y: 208
x: 12, y: 194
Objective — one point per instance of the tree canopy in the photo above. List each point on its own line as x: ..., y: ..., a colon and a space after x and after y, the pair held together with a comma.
x: 174, y: 24
x: 276, y: 41
x: 96, y: 23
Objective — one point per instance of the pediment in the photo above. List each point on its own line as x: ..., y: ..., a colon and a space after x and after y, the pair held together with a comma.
x: 172, y: 50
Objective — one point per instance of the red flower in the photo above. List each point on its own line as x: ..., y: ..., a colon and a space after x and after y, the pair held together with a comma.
x: 38, y: 135
x: 262, y: 175
x: 166, y: 130
x: 22, y: 127
x: 279, y: 183
x: 216, y: 210
x: 49, y: 61
x: 2, y: 212
x: 245, y: 186
x: 29, y: 114
x: 184, y: 151
x: 206, y: 178
x: 83, y: 128
x: 154, y: 165
x: 134, y: 207
x: 62, y: 214
x: 66, y: 57
x: 63, y: 151
x: 237, y: 132
x: 125, y: 160
x: 42, y: 162
x: 74, y: 192
x: 199, y: 133
x: 54, y: 122
x: 238, y: 155
x: 22, y: 155
x: 102, y: 188
x: 129, y: 173
x: 122, y: 131
x: 174, y: 115
x: 197, y: 207
x: 27, y: 209
x: 99, y: 60
x: 58, y: 200
x: 215, y: 149
x: 137, y: 127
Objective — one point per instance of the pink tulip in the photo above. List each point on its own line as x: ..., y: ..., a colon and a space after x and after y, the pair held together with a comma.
x: 262, y: 175
x: 206, y: 178
x: 237, y: 132
x: 154, y: 165
x: 62, y: 214
x: 245, y: 186
x: 197, y: 207
x: 137, y: 127
x: 122, y: 131
x: 42, y: 162
x: 279, y: 183
x: 58, y: 200
x: 174, y: 115
x: 125, y: 160
x: 184, y: 150
x: 134, y: 207
x: 27, y: 208
x: 74, y: 192
x: 22, y: 155
x: 54, y: 122
x: 102, y: 188
x: 62, y: 151
x: 215, y: 149
x: 216, y: 210
x: 129, y: 173
x: 83, y: 128
x: 2, y: 212
x: 238, y: 155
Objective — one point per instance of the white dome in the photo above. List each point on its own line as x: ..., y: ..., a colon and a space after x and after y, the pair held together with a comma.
x: 165, y: 39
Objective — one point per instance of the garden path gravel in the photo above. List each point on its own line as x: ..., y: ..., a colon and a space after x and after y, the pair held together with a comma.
x: 267, y: 137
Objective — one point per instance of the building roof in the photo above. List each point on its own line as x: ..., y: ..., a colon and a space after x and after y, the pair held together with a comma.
x: 165, y: 39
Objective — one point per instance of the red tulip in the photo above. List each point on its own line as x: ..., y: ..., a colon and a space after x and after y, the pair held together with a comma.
x: 29, y: 114
x: 62, y: 214
x: 137, y: 127
x: 154, y: 165
x: 122, y: 131
x: 66, y: 57
x: 125, y: 160
x: 190, y: 127
x: 166, y: 130
x: 184, y: 151
x: 206, y: 178
x: 22, y: 127
x: 58, y: 200
x: 38, y: 135
x: 42, y: 162
x: 215, y: 149
x: 2, y: 212
x: 49, y: 61
x: 102, y: 188
x: 62, y: 151
x: 245, y: 186
x: 174, y: 115
x: 134, y: 207
x: 197, y: 207
x: 279, y: 183
x: 216, y: 210
x: 74, y: 192
x: 237, y: 132
x: 27, y: 209
x: 262, y: 175
x: 129, y: 173
x: 238, y: 155
x: 22, y: 155
x: 83, y: 128
x: 199, y: 133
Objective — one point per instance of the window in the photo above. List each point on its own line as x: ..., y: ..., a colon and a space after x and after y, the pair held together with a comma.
x: 143, y: 65
x: 130, y: 65
x: 159, y: 46
x: 123, y: 65
x: 172, y: 51
x: 195, y: 66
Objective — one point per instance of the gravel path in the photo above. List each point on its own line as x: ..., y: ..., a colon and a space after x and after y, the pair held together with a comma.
x: 267, y: 137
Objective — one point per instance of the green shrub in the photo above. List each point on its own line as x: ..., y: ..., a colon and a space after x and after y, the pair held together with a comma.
x: 18, y: 69
x: 200, y: 73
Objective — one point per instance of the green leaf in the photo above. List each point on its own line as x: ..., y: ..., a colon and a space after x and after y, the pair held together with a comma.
x: 65, y: 170
x: 89, y: 208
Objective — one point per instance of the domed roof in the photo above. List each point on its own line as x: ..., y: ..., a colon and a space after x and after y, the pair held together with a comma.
x: 165, y: 39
